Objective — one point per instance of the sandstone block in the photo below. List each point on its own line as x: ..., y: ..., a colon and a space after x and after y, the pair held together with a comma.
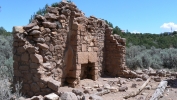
x: 41, y: 40
x: 34, y: 65
x: 35, y: 32
x: 37, y: 98
x: 20, y: 50
x: 49, y: 25
x: 95, y: 97
x: 68, y: 96
x: 124, y: 88
x: 51, y: 47
x: 157, y: 79
x: 53, y: 10
x: 25, y: 57
x: 34, y: 87
x: 29, y: 26
x: 31, y: 50
x: 18, y: 29
x: 15, y: 65
x: 82, y: 57
x: 53, y: 84
x: 50, y: 16
x: 17, y: 73
x: 92, y: 57
x: 47, y: 66
x: 75, y: 26
x: 36, y: 58
x: 40, y: 17
x: 43, y: 46
x: 26, y: 87
x: 84, y: 47
x: 51, y: 96
x: 23, y: 67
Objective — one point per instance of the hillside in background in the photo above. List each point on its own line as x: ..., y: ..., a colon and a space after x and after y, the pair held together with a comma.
x: 162, y: 40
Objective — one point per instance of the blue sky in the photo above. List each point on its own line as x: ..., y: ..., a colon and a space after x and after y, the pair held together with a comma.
x: 145, y: 16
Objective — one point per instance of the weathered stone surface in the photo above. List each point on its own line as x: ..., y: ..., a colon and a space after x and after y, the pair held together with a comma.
x: 106, y: 86
x: 34, y: 65
x: 49, y: 25
x: 95, y: 97
x: 53, y: 84
x: 34, y: 87
x: 82, y: 57
x: 77, y: 92
x: 43, y: 46
x: 92, y: 57
x: 35, y: 32
x: 31, y: 50
x: 123, y: 88
x: 145, y: 77
x: 20, y: 50
x: 53, y: 10
x: 23, y: 67
x: 47, y: 66
x: 68, y: 96
x: 51, y: 96
x: 36, y: 58
x: 29, y: 26
x: 41, y: 40
x: 37, y: 98
x: 157, y: 79
x: 50, y: 16
x: 25, y: 57
x: 18, y: 29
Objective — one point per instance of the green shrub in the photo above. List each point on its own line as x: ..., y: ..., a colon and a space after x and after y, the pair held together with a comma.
x: 140, y: 57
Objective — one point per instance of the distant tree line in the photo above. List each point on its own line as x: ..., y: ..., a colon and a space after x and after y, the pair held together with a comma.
x: 162, y: 40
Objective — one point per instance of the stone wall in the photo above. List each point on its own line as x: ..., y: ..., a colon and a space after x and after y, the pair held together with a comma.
x: 63, y: 47
x: 115, y: 54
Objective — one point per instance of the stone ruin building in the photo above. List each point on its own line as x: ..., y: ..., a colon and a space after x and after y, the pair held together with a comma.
x: 63, y: 47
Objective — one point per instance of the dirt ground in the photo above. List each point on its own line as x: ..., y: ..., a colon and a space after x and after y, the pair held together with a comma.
x: 90, y: 87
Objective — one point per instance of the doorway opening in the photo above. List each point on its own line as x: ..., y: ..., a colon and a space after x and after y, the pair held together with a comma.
x: 87, y: 71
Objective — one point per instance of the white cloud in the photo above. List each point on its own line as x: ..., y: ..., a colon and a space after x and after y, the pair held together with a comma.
x: 168, y: 26
x: 135, y: 31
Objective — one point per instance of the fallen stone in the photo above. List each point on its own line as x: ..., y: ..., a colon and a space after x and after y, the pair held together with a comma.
x: 106, y: 86
x: 87, y: 91
x: 95, y: 97
x: 53, y: 84
x: 139, y: 79
x: 113, y: 89
x: 40, y: 97
x: 157, y: 79
x: 121, y: 82
x: 145, y: 77
x: 68, y: 96
x: 51, y: 96
x: 134, y: 85
x: 78, y: 92
x: 99, y: 89
x: 121, y: 89
x: 148, y: 87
